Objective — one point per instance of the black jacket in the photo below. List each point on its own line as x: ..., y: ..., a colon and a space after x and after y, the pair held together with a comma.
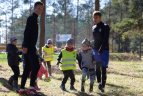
x: 31, y: 33
x: 13, y: 55
x: 101, y: 36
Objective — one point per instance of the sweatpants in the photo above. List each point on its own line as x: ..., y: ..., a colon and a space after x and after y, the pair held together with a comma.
x: 68, y: 74
x: 16, y: 72
x: 86, y: 73
x: 31, y: 65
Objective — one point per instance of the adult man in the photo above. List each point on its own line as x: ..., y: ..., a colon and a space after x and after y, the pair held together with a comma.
x: 101, y: 48
x: 29, y: 47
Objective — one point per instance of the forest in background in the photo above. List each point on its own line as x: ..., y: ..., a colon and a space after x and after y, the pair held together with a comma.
x: 125, y: 18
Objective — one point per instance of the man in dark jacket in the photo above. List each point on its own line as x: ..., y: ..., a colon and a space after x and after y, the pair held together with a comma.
x: 13, y: 61
x: 101, y: 48
x: 29, y: 47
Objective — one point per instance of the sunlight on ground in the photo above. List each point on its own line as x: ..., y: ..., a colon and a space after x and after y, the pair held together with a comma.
x: 124, y: 79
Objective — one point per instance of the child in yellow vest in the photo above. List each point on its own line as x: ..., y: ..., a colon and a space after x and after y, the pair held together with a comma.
x: 67, y: 64
x: 47, y: 54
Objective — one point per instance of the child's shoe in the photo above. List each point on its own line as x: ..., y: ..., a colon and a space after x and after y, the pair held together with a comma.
x: 101, y: 88
x: 72, y: 88
x: 21, y: 91
x: 15, y: 85
x: 63, y: 87
x: 10, y: 81
x: 47, y: 79
x: 82, y: 86
x: 91, y: 88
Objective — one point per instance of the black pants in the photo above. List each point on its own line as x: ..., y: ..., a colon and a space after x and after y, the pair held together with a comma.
x: 48, y: 63
x: 67, y: 74
x: 31, y: 65
x: 16, y: 72
x: 101, y: 75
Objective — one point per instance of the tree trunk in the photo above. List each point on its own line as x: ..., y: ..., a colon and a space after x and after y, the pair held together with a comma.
x: 12, y: 28
x: 97, y: 5
x: 65, y: 14
x: 54, y: 28
x: 42, y: 27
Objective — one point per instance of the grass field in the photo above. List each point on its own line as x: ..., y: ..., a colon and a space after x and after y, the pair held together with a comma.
x: 124, y: 79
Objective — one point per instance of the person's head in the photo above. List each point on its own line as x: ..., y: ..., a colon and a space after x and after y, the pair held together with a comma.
x: 13, y: 40
x: 97, y: 16
x: 85, y: 45
x: 70, y: 43
x: 49, y: 43
x: 38, y: 8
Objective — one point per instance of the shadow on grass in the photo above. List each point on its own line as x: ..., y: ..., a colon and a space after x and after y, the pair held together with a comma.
x: 116, y: 90
x: 124, y: 74
x: 5, y: 84
x: 2, y: 69
x: 115, y: 86
x: 82, y: 94
x: 7, y: 88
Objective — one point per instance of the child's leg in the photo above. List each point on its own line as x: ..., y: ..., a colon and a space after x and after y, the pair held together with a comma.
x: 72, y: 77
x: 16, y: 72
x: 84, y: 74
x: 92, y: 78
x: 66, y: 76
x: 49, y: 67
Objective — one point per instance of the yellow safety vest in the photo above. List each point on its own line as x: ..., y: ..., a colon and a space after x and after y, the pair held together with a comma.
x: 49, y: 52
x: 68, y: 60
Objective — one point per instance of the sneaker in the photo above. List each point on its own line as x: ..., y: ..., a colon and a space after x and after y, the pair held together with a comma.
x: 91, y: 88
x: 82, y: 89
x: 15, y: 85
x: 101, y: 88
x: 10, y: 81
x: 72, y: 88
x: 31, y: 91
x: 63, y: 87
x: 37, y: 88
x: 47, y: 79
x: 21, y: 91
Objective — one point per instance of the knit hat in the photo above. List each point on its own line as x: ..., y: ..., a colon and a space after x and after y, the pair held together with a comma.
x: 70, y: 41
x: 13, y: 39
x: 86, y: 42
x: 49, y: 41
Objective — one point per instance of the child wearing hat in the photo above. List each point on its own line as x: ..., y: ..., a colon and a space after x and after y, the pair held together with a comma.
x: 47, y: 54
x: 67, y: 64
x: 13, y: 61
x: 87, y: 64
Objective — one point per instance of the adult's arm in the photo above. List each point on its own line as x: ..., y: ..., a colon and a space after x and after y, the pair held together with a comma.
x: 27, y: 33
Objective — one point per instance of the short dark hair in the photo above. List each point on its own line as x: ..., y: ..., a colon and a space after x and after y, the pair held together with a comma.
x: 38, y: 3
x: 97, y: 13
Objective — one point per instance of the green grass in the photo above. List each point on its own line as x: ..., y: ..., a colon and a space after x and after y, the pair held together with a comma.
x: 124, y: 79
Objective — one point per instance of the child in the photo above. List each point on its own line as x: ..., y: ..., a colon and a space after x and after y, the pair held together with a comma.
x: 13, y: 61
x: 86, y: 64
x: 47, y: 53
x: 67, y: 64
x: 43, y: 71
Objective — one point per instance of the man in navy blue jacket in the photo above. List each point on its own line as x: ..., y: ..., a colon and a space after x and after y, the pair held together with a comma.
x: 101, y: 48
x: 29, y: 47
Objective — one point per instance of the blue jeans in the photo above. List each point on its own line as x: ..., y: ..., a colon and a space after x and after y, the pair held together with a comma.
x: 88, y: 74
x: 103, y: 57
